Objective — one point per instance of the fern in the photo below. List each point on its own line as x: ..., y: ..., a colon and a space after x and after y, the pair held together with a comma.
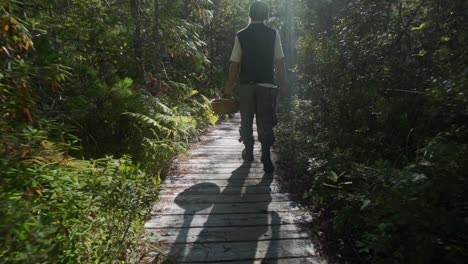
x: 149, y: 123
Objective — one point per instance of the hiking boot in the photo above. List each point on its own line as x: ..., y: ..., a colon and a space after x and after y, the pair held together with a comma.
x: 247, y: 154
x: 266, y: 160
x: 268, y: 166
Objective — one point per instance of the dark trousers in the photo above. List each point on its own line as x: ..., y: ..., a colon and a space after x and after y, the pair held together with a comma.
x: 257, y: 101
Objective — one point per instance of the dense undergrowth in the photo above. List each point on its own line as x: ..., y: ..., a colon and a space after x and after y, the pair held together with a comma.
x: 84, y: 141
x: 378, y: 130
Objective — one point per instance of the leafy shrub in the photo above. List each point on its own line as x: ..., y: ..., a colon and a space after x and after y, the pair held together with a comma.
x: 156, y: 129
x: 377, y: 131
x: 58, y: 209
x: 394, y: 214
x: 55, y: 208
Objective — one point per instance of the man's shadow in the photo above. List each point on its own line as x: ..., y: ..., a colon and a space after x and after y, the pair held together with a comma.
x: 219, y: 217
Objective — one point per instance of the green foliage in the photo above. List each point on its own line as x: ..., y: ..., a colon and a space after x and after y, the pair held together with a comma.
x: 228, y: 18
x: 165, y: 125
x: 377, y: 132
x: 65, y: 80
x: 398, y: 214
x: 59, y: 209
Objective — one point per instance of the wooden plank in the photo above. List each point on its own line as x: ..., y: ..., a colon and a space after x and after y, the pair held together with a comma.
x: 226, y: 135
x: 220, y: 147
x: 222, y: 220
x: 296, y: 260
x: 225, y: 234
x: 217, y: 160
x: 223, y: 190
x: 252, y: 189
x: 235, y: 167
x: 220, y: 151
x: 188, y: 170
x: 222, y: 198
x: 234, y: 134
x: 244, y: 251
x: 226, y: 153
x: 221, y: 176
x: 234, y: 208
x: 224, y: 156
x: 224, y: 141
x: 229, y: 138
x: 230, y: 135
x: 170, y: 182
x: 223, y: 147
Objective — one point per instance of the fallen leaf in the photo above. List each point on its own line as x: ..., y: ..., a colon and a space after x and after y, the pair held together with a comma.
x: 39, y: 192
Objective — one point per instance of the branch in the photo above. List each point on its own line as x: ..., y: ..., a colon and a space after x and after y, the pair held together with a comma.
x: 405, y: 28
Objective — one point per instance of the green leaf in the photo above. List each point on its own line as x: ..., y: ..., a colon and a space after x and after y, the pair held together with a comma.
x: 333, y: 176
x: 420, y: 27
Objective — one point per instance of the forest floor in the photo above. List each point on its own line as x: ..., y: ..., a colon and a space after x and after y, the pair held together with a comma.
x: 216, y: 208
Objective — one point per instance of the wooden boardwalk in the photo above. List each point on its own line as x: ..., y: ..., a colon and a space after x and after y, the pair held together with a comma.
x: 217, y: 209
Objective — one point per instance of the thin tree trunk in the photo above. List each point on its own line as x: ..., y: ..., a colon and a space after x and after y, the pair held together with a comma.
x: 157, y: 38
x: 137, y: 40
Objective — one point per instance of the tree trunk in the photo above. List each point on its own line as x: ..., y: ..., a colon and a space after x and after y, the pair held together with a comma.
x: 157, y: 38
x: 137, y: 41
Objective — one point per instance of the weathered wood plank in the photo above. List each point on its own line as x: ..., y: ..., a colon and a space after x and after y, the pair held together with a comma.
x: 221, y: 176
x: 246, y: 251
x: 218, y: 165
x: 220, y: 160
x: 225, y: 139
x: 223, y: 157
x: 192, y: 170
x: 220, y: 138
x: 225, y: 234
x: 218, y: 182
x: 217, y: 160
x: 223, y: 148
x: 234, y: 208
x: 224, y: 198
x: 214, y: 151
x: 252, y: 189
x: 219, y: 150
x: 222, y: 220
x: 297, y: 260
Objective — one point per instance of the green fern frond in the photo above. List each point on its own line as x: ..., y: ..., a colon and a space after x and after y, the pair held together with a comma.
x: 148, y: 121
x: 164, y: 108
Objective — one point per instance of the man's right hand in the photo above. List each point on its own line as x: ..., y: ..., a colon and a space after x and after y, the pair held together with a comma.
x: 233, y: 72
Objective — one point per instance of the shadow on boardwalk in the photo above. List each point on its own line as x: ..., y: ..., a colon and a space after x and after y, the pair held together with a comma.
x: 216, y: 209
x: 198, y: 252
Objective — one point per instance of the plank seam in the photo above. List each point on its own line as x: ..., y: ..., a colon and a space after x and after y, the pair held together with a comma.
x: 235, y: 213
x: 253, y: 259
x: 220, y: 226
x: 239, y: 241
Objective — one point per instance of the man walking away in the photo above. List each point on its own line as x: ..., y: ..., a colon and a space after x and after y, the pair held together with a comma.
x: 257, y: 51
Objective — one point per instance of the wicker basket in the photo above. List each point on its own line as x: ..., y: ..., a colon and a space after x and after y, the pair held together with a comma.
x: 224, y: 106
